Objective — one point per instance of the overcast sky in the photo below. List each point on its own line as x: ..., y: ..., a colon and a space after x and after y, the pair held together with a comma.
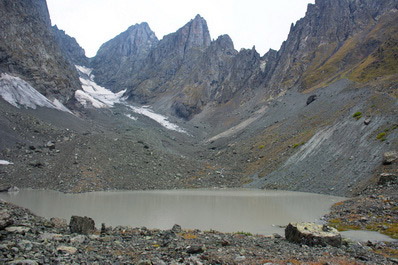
x: 263, y: 23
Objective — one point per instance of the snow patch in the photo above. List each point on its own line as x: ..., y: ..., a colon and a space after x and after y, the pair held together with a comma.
x: 18, y: 93
x: 87, y: 100
x: 84, y: 70
x: 5, y: 163
x: 130, y: 116
x: 162, y: 120
x: 98, y: 96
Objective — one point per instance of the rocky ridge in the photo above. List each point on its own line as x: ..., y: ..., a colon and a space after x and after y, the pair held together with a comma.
x: 28, y: 50
x: 118, y: 60
x: 70, y: 48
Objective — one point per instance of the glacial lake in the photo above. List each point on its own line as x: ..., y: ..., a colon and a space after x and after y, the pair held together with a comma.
x: 254, y: 211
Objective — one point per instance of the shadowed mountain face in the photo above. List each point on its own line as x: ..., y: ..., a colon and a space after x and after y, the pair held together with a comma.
x: 119, y: 59
x: 191, y: 71
x: 70, y: 48
x: 28, y: 49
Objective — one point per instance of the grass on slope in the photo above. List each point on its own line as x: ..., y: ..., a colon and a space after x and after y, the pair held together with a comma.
x: 363, y: 58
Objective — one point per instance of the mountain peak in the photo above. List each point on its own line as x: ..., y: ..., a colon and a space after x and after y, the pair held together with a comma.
x: 195, y: 33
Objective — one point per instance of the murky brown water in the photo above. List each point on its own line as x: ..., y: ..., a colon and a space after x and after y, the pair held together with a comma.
x: 253, y: 211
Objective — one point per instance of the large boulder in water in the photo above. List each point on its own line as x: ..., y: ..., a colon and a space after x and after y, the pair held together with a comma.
x: 81, y: 225
x: 312, y: 234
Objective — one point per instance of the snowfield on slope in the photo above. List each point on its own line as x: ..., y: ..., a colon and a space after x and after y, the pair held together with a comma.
x: 100, y: 97
x: 19, y: 93
x: 92, y: 93
x: 162, y: 120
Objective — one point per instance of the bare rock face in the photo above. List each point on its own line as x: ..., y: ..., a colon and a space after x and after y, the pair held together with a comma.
x: 123, y: 56
x: 81, y: 225
x: 317, y: 47
x: 28, y: 49
x: 70, y: 48
x: 194, y: 71
x: 164, y: 62
x: 312, y: 234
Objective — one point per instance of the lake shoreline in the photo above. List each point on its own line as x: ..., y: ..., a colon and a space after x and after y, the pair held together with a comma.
x: 40, y: 241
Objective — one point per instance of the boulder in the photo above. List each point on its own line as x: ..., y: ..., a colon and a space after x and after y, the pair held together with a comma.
x: 58, y: 222
x: 195, y: 249
x: 78, y: 239
x: 50, y: 145
x: 51, y: 236
x: 176, y: 229
x: 387, y: 178
x: 5, y: 219
x: 18, y: 229
x: 313, y: 234
x: 67, y: 250
x: 390, y: 157
x: 4, y: 188
x: 81, y: 225
x: 13, y: 189
x: 311, y: 99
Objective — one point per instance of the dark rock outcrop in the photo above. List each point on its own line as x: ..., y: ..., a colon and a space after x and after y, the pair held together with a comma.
x: 28, y: 49
x: 311, y: 99
x: 81, y: 225
x: 70, y: 48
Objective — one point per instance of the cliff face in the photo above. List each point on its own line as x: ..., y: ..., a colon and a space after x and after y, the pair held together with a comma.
x: 329, y: 41
x: 120, y: 58
x: 70, y: 48
x: 161, y: 66
x: 192, y: 70
x: 28, y: 49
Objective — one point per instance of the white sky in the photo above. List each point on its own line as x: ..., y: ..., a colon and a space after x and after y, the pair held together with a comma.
x: 263, y: 23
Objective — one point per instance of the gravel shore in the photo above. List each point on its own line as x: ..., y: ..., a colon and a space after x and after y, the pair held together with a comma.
x: 35, y: 240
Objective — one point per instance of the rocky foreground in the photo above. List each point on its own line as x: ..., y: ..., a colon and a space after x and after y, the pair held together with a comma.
x: 28, y: 239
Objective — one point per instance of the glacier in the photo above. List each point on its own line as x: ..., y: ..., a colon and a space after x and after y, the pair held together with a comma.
x: 19, y: 93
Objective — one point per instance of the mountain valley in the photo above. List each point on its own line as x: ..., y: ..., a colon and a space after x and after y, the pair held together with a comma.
x: 187, y: 111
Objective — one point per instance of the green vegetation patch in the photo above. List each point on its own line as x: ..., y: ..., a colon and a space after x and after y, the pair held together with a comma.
x: 342, y: 226
x: 381, y: 136
x: 297, y: 145
x: 389, y: 229
x: 357, y: 115
x: 243, y: 233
